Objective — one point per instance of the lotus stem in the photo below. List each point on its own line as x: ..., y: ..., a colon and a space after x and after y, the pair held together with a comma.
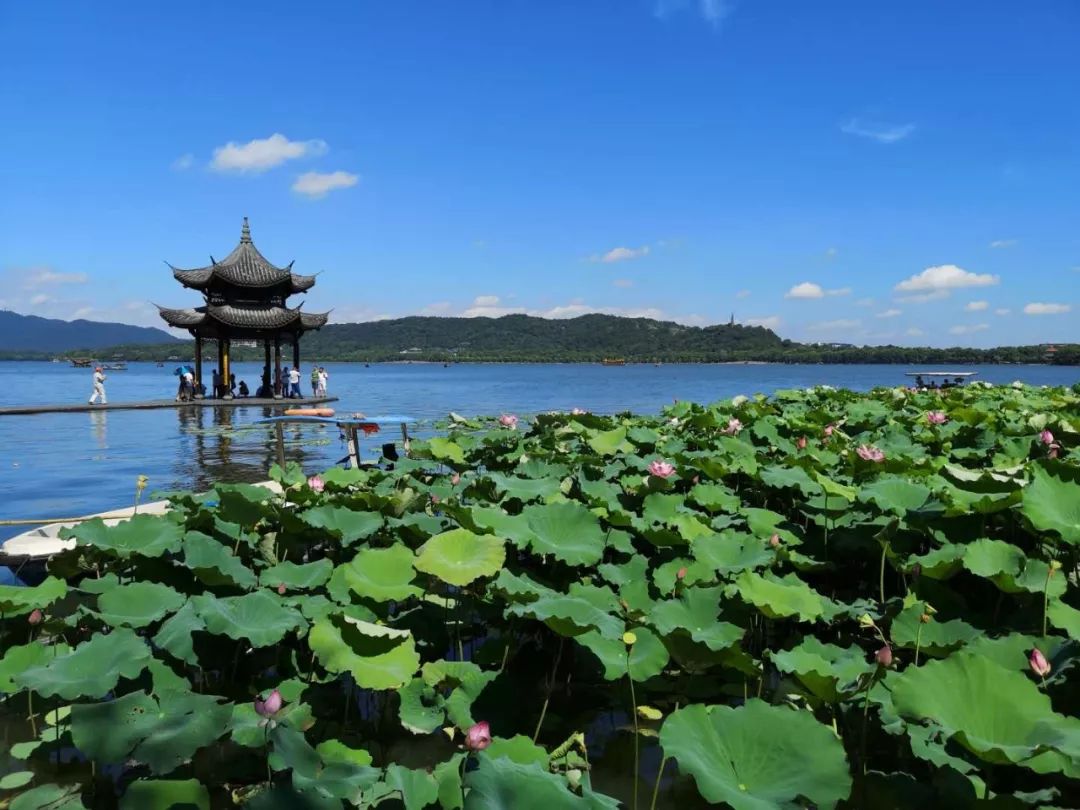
x: 637, y: 736
x: 550, y: 688
x: 266, y: 744
x: 660, y: 773
x: 881, y: 573
x: 1046, y: 596
x: 918, y: 643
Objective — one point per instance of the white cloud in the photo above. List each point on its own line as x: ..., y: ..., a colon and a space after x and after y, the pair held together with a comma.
x: 486, y: 301
x: 38, y: 277
x: 623, y: 283
x: 263, y: 153
x: 976, y: 306
x: 769, y: 322
x: 842, y: 324
x: 40, y: 299
x: 914, y: 331
x: 890, y: 313
x: 806, y: 290
x: 1047, y: 309
x: 942, y: 278
x: 1004, y: 243
x: 317, y: 184
x: 83, y: 312
x: 865, y: 302
x: 621, y: 254
x: 877, y: 130
x: 360, y: 314
x: 839, y: 291
x: 1002, y: 311
x: 438, y: 308
x: 967, y: 329
x: 743, y: 294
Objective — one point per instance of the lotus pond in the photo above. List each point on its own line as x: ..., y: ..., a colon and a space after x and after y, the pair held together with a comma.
x: 814, y: 599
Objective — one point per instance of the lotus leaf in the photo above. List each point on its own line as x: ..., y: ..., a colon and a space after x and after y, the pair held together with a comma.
x: 257, y: 617
x: 894, y: 494
x: 20, y: 657
x: 1010, y: 569
x: 779, y: 597
x: 731, y: 552
x: 609, y: 442
x: 502, y: 784
x: 142, y: 535
x: 379, y: 574
x: 647, y: 655
x: 91, y: 669
x: 459, y: 557
x: 525, y: 489
x: 161, y: 794
x: 757, y: 756
x: 827, y: 671
x: 214, y: 563
x: 303, y: 577
x: 16, y: 600
x: 50, y: 797
x: 1052, y: 501
x: 138, y: 604
x: 519, y: 749
x: 417, y: 788
x: 176, y: 635
x: 936, y: 637
x: 569, y: 615
x: 446, y: 450
x: 567, y: 531
x: 345, y: 524
x: 695, y: 612
x: 375, y: 660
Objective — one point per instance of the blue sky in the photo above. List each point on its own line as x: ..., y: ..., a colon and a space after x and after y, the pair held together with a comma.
x: 840, y: 171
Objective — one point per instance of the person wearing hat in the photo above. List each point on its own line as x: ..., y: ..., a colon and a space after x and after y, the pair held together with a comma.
x: 99, y: 386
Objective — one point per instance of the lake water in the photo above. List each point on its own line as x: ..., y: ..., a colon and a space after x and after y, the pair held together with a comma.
x: 59, y: 465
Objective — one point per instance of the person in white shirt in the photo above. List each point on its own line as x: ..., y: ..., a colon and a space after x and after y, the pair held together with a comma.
x: 323, y: 377
x: 99, y: 387
x: 294, y: 383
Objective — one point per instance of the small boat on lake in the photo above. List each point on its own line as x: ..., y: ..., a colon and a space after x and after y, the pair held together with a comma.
x: 613, y: 361
x: 81, y: 362
x: 114, y: 367
x: 949, y: 379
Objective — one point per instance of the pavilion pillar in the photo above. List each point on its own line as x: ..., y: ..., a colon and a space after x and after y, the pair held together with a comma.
x: 278, y: 382
x: 296, y: 350
x: 226, y: 380
x: 267, y: 379
x: 220, y: 366
x: 198, y: 367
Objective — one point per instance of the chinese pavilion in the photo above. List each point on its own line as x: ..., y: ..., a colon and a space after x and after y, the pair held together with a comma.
x: 245, y: 300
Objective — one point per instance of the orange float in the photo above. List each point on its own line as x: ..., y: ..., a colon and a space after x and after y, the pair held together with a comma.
x: 309, y: 411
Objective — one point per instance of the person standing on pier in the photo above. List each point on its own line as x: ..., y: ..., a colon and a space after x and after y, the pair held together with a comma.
x: 315, y: 381
x: 294, y: 383
x: 99, y: 387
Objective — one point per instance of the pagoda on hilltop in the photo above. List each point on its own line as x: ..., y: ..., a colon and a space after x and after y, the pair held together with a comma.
x: 245, y: 301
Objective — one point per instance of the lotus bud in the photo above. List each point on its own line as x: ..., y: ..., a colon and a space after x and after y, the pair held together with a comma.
x: 774, y: 541
x: 455, y: 479
x: 508, y: 420
x: 936, y: 417
x: 36, y: 617
x: 270, y: 705
x: 829, y: 430
x: 281, y: 589
x: 661, y: 469
x: 1038, y: 663
x: 884, y: 656
x: 629, y: 639
x: 1046, y: 437
x: 681, y: 573
x: 316, y: 483
x: 801, y: 443
x: 434, y: 498
x: 478, y: 737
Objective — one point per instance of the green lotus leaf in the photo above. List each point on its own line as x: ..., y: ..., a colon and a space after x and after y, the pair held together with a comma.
x: 245, y: 504
x: 954, y: 693
x: 142, y: 535
x: 941, y: 563
x: 525, y: 489
x: 16, y: 779
x: 417, y: 787
x: 379, y: 574
x: 828, y: 672
x: 714, y: 498
x: 20, y: 657
x: 466, y: 681
x: 50, y: 797
x: 647, y: 656
x: 609, y: 442
x: 936, y: 637
x: 176, y: 635
x: 569, y: 615
x: 90, y: 670
x: 335, y: 751
x: 757, y: 756
x: 459, y: 557
x: 258, y: 617
x: 15, y: 600
x: 891, y: 493
x: 1010, y: 569
x: 781, y: 597
x: 764, y: 523
x: 214, y: 563
x: 297, y: 577
x: 1052, y: 500
x: 567, y: 531
x: 834, y: 489
x: 1062, y: 616
x: 375, y: 660
x: 667, y: 575
x: 1012, y: 651
x: 138, y: 604
x: 290, y: 749
x: 446, y: 450
x: 346, y: 524
x: 421, y: 709
x: 501, y: 784
x: 731, y: 552
x: 247, y: 728
x: 790, y: 478
x: 627, y: 573
x: 695, y: 611
x: 519, y: 749
x: 163, y: 794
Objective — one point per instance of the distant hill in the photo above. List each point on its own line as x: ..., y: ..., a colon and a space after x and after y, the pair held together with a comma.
x: 523, y: 337
x: 29, y: 333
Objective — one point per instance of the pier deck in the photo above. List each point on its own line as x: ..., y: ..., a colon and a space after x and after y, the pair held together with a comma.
x: 239, y: 402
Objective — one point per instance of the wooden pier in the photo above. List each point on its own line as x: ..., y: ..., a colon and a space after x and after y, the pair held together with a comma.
x: 150, y: 404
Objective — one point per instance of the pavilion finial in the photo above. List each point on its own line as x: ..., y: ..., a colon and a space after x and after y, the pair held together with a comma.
x: 245, y: 232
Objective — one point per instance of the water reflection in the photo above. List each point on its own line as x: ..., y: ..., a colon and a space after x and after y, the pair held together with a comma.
x: 99, y: 423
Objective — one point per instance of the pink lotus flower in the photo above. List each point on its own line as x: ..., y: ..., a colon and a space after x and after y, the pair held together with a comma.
x: 1046, y: 437
x: 508, y: 420
x: 478, y: 737
x: 36, y: 617
x: 828, y: 431
x: 270, y: 705
x: 681, y: 573
x: 661, y: 469
x: 455, y: 479
x: 774, y: 541
x: 936, y: 417
x: 1038, y: 663
x: 884, y: 656
x: 733, y: 427
x: 316, y: 483
x: 801, y: 443
x: 281, y: 589
x: 434, y: 498
x: 867, y: 452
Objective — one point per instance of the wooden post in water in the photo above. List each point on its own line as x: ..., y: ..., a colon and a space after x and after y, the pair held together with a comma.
x: 279, y: 431
x: 279, y: 384
x: 267, y: 377
x: 220, y: 365
x: 198, y: 367
x: 226, y: 382
x: 296, y: 351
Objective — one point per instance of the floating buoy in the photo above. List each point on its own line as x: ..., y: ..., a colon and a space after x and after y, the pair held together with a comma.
x: 309, y: 411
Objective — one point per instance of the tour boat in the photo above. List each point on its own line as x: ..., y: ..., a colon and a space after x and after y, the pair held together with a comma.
x: 613, y: 361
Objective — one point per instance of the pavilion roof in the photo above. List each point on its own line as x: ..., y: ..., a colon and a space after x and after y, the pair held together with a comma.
x: 244, y: 267
x: 239, y: 317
